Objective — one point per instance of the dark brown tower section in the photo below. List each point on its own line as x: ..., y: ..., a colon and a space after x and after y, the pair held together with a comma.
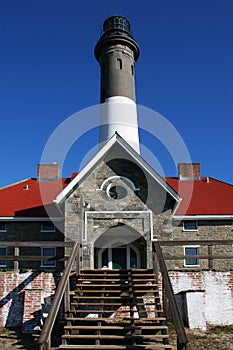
x: 117, y: 51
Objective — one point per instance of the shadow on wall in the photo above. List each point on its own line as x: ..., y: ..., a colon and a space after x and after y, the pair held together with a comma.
x: 27, y: 305
x: 17, y: 299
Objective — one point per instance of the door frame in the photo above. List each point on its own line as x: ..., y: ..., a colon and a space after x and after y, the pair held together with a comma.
x: 110, y: 262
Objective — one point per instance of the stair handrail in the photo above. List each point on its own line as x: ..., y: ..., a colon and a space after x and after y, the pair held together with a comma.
x: 45, y: 337
x: 182, y: 340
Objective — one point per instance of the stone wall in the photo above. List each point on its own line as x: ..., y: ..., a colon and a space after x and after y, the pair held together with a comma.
x: 206, y: 230
x: 141, y: 208
x: 17, y: 231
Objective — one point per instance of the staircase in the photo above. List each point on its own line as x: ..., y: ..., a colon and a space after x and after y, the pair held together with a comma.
x: 115, y: 309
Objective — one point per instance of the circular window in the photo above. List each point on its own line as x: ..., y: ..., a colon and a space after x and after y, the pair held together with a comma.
x: 116, y: 191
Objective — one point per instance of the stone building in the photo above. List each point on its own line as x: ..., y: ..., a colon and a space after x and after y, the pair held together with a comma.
x: 115, y: 207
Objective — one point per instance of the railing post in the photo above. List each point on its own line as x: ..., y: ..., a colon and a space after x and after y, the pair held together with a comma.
x: 182, y: 341
x: 67, y: 298
x: 155, y: 264
x: 78, y: 261
x: 210, y: 260
x: 16, y: 262
x: 164, y: 295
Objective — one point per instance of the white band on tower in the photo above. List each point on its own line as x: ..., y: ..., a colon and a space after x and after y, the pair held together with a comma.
x: 119, y: 114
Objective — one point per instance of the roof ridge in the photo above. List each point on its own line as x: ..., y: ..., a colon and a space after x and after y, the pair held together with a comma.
x: 223, y: 182
x: 15, y: 183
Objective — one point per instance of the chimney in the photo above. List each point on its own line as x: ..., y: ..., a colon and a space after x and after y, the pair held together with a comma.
x: 189, y: 171
x: 48, y: 172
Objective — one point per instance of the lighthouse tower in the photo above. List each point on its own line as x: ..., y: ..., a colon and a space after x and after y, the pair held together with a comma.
x: 117, y: 51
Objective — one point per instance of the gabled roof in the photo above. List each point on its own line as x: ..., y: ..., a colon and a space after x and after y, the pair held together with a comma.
x: 209, y: 197
x: 106, y: 149
x: 24, y: 199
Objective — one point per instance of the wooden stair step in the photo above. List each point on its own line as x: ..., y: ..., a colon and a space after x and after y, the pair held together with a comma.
x: 114, y: 285
x: 142, y: 274
x: 99, y: 297
x: 113, y: 304
x: 142, y: 278
x: 118, y: 275
x: 116, y: 319
x: 97, y: 304
x: 156, y: 328
x: 85, y: 275
x: 93, y: 271
x: 103, y: 280
x: 107, y: 297
x: 116, y: 347
x: 149, y: 290
x: 158, y: 337
x: 112, y: 311
x: 98, y: 291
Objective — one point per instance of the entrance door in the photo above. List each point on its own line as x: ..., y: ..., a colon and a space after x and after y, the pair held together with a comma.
x: 119, y: 258
x: 123, y: 257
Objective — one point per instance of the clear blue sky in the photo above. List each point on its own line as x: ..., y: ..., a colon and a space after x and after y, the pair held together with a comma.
x: 48, y: 72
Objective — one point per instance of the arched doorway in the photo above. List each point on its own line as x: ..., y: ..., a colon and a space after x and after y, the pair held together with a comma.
x: 120, y: 247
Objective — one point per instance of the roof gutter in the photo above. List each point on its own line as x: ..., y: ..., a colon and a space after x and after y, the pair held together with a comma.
x: 203, y: 217
x: 28, y: 218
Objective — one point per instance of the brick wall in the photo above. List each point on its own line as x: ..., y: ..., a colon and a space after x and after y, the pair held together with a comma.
x: 208, y: 296
x: 25, y: 297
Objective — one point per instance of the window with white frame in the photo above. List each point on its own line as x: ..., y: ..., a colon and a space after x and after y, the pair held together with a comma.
x: 190, y: 225
x: 191, y: 250
x: 47, y: 226
x: 2, y: 226
x: 48, y: 251
x: 3, y: 252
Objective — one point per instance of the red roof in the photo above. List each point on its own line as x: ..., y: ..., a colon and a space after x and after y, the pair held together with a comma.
x: 207, y: 196
x: 30, y: 198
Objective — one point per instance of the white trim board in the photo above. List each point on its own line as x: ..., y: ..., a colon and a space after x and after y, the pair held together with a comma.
x: 96, y: 214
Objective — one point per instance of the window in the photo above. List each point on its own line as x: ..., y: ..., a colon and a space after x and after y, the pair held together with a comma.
x: 119, y: 63
x: 3, y: 252
x: 48, y: 252
x: 116, y: 192
x: 190, y: 225
x: 191, y: 250
x: 117, y: 187
x: 2, y: 226
x: 132, y: 69
x: 47, y: 227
